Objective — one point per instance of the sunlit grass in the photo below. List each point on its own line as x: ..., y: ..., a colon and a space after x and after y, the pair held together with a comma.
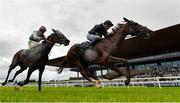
x: 78, y: 94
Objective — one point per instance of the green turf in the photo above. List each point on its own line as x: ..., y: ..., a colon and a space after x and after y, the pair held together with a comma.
x: 78, y: 94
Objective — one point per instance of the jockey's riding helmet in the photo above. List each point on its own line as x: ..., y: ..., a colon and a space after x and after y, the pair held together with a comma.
x: 108, y: 23
x: 42, y: 28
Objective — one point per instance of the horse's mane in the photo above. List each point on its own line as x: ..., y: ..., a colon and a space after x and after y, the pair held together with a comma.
x: 49, y: 36
x: 116, y: 29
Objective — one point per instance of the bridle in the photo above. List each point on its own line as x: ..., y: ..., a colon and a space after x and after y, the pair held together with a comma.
x: 52, y: 43
x: 48, y: 41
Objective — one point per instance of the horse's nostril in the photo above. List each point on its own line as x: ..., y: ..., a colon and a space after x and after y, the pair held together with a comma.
x: 68, y: 41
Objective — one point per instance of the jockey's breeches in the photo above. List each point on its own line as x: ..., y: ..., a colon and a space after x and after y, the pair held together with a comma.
x: 32, y: 44
x: 92, y: 37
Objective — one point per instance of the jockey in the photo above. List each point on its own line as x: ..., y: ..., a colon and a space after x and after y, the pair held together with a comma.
x: 99, y: 30
x: 36, y: 37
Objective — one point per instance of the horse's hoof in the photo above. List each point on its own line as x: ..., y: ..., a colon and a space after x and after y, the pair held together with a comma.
x: 3, y: 83
x: 98, y: 86
x: 18, y: 88
x: 126, y: 83
x: 19, y: 84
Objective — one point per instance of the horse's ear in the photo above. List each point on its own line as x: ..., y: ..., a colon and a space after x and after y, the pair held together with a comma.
x: 54, y: 30
x: 125, y: 19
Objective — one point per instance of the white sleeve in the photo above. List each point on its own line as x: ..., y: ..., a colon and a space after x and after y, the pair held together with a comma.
x: 36, y: 37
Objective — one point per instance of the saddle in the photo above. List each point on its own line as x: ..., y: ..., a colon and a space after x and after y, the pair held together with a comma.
x: 87, y: 44
x: 32, y: 52
x: 83, y: 46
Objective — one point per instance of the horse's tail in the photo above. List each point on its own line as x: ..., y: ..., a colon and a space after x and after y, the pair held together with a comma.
x: 15, y: 59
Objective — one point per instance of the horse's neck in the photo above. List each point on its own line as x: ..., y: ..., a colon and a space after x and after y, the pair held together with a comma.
x: 118, y: 36
x: 111, y: 43
x: 45, y: 46
x: 48, y: 46
x: 42, y: 49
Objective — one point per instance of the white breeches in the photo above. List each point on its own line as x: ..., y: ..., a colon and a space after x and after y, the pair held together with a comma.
x: 32, y: 44
x: 92, y: 37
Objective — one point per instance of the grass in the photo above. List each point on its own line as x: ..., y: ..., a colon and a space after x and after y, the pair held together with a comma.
x: 90, y: 94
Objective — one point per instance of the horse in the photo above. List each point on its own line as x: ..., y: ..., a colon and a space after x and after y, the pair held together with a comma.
x: 36, y: 57
x: 101, y: 54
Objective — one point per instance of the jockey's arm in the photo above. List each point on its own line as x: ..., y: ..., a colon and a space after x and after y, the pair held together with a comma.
x: 37, y: 37
x: 94, y: 30
x: 106, y: 35
x: 44, y: 37
x: 91, y: 32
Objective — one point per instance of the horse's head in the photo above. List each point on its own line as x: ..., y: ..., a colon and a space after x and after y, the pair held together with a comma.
x: 135, y: 29
x: 60, y: 38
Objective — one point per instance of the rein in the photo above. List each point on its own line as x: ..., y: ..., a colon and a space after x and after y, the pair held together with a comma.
x: 49, y: 41
x: 52, y: 42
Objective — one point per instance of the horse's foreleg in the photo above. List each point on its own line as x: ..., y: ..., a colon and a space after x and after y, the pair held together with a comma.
x: 84, y: 73
x: 41, y: 70
x: 9, y: 71
x: 112, y: 59
x: 18, y: 72
x: 13, y: 65
x: 96, y: 80
x: 27, y: 78
x: 114, y: 75
x: 93, y: 76
x: 128, y: 74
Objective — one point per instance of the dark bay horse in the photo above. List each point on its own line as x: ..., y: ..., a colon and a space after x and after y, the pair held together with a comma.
x: 102, y: 53
x: 36, y: 57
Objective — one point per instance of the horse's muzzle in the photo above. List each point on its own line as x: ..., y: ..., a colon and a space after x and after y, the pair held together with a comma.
x: 67, y: 43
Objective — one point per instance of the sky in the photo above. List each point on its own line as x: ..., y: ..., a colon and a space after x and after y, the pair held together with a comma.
x: 74, y: 18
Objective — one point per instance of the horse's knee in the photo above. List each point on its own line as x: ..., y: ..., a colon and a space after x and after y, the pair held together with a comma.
x: 83, y: 74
